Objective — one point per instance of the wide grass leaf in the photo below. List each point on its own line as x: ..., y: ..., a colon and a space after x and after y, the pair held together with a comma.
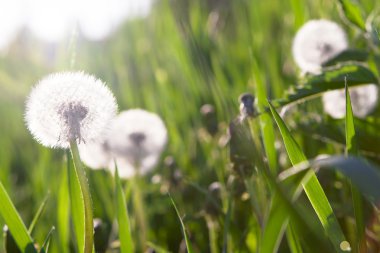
x: 331, y: 79
x: 350, y: 54
x: 14, y: 222
x: 312, y: 187
x: 125, y: 237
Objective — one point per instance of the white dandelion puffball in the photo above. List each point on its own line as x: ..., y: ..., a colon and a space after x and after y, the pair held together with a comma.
x: 95, y: 155
x: 363, y: 101
x: 69, y: 106
x: 136, y: 141
x: 316, y: 42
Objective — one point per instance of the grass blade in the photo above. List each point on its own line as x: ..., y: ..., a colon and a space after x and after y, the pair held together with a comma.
x: 363, y: 175
x: 125, y: 237
x: 266, y: 122
x: 38, y: 214
x: 14, y: 222
x: 312, y: 188
x: 293, y: 239
x: 351, y: 148
x: 188, y: 244
x: 46, y: 244
x: 351, y: 145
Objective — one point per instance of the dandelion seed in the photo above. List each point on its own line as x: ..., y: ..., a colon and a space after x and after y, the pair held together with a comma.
x: 69, y: 106
x: 363, y: 100
x: 136, y: 140
x: 316, y: 42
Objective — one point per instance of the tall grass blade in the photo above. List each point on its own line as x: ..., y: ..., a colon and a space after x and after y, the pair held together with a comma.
x: 187, y: 241
x: 38, y: 214
x: 266, y: 122
x: 351, y: 148
x: 312, y: 187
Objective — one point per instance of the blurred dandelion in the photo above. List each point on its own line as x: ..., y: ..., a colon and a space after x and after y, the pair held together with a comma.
x: 136, y: 140
x: 95, y: 155
x: 316, y: 42
x: 69, y: 106
x: 363, y: 100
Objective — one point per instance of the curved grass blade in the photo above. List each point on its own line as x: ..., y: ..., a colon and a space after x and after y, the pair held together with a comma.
x: 331, y: 79
x: 351, y: 148
x: 38, y: 214
x: 312, y: 187
x: 46, y: 244
x: 14, y: 222
x: 350, y: 54
x: 364, y: 175
x: 125, y: 237
x: 188, y: 244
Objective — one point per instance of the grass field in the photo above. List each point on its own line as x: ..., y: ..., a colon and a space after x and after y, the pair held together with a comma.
x: 184, y: 55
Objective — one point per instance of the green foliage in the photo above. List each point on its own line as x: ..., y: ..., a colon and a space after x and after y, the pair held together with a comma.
x: 183, y: 55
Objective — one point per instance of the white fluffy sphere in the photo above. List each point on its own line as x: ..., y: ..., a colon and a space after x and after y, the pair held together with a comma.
x: 316, y: 42
x: 136, y: 141
x: 69, y: 106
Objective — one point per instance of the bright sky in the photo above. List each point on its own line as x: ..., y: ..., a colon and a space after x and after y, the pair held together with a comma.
x: 52, y: 20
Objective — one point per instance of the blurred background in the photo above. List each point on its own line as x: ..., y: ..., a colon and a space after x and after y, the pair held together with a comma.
x: 169, y: 57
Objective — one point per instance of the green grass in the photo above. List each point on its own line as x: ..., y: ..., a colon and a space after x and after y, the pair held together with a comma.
x: 183, y: 55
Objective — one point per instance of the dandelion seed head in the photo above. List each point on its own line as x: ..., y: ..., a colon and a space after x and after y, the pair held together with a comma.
x: 136, y: 140
x: 316, y: 42
x: 69, y: 106
x: 363, y: 101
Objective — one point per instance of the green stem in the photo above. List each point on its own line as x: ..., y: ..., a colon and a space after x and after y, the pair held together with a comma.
x: 88, y: 213
x: 139, y: 209
x: 213, y: 237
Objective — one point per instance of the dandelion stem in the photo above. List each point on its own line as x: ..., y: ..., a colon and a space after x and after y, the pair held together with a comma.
x: 84, y: 187
x: 139, y: 209
x: 213, y: 237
